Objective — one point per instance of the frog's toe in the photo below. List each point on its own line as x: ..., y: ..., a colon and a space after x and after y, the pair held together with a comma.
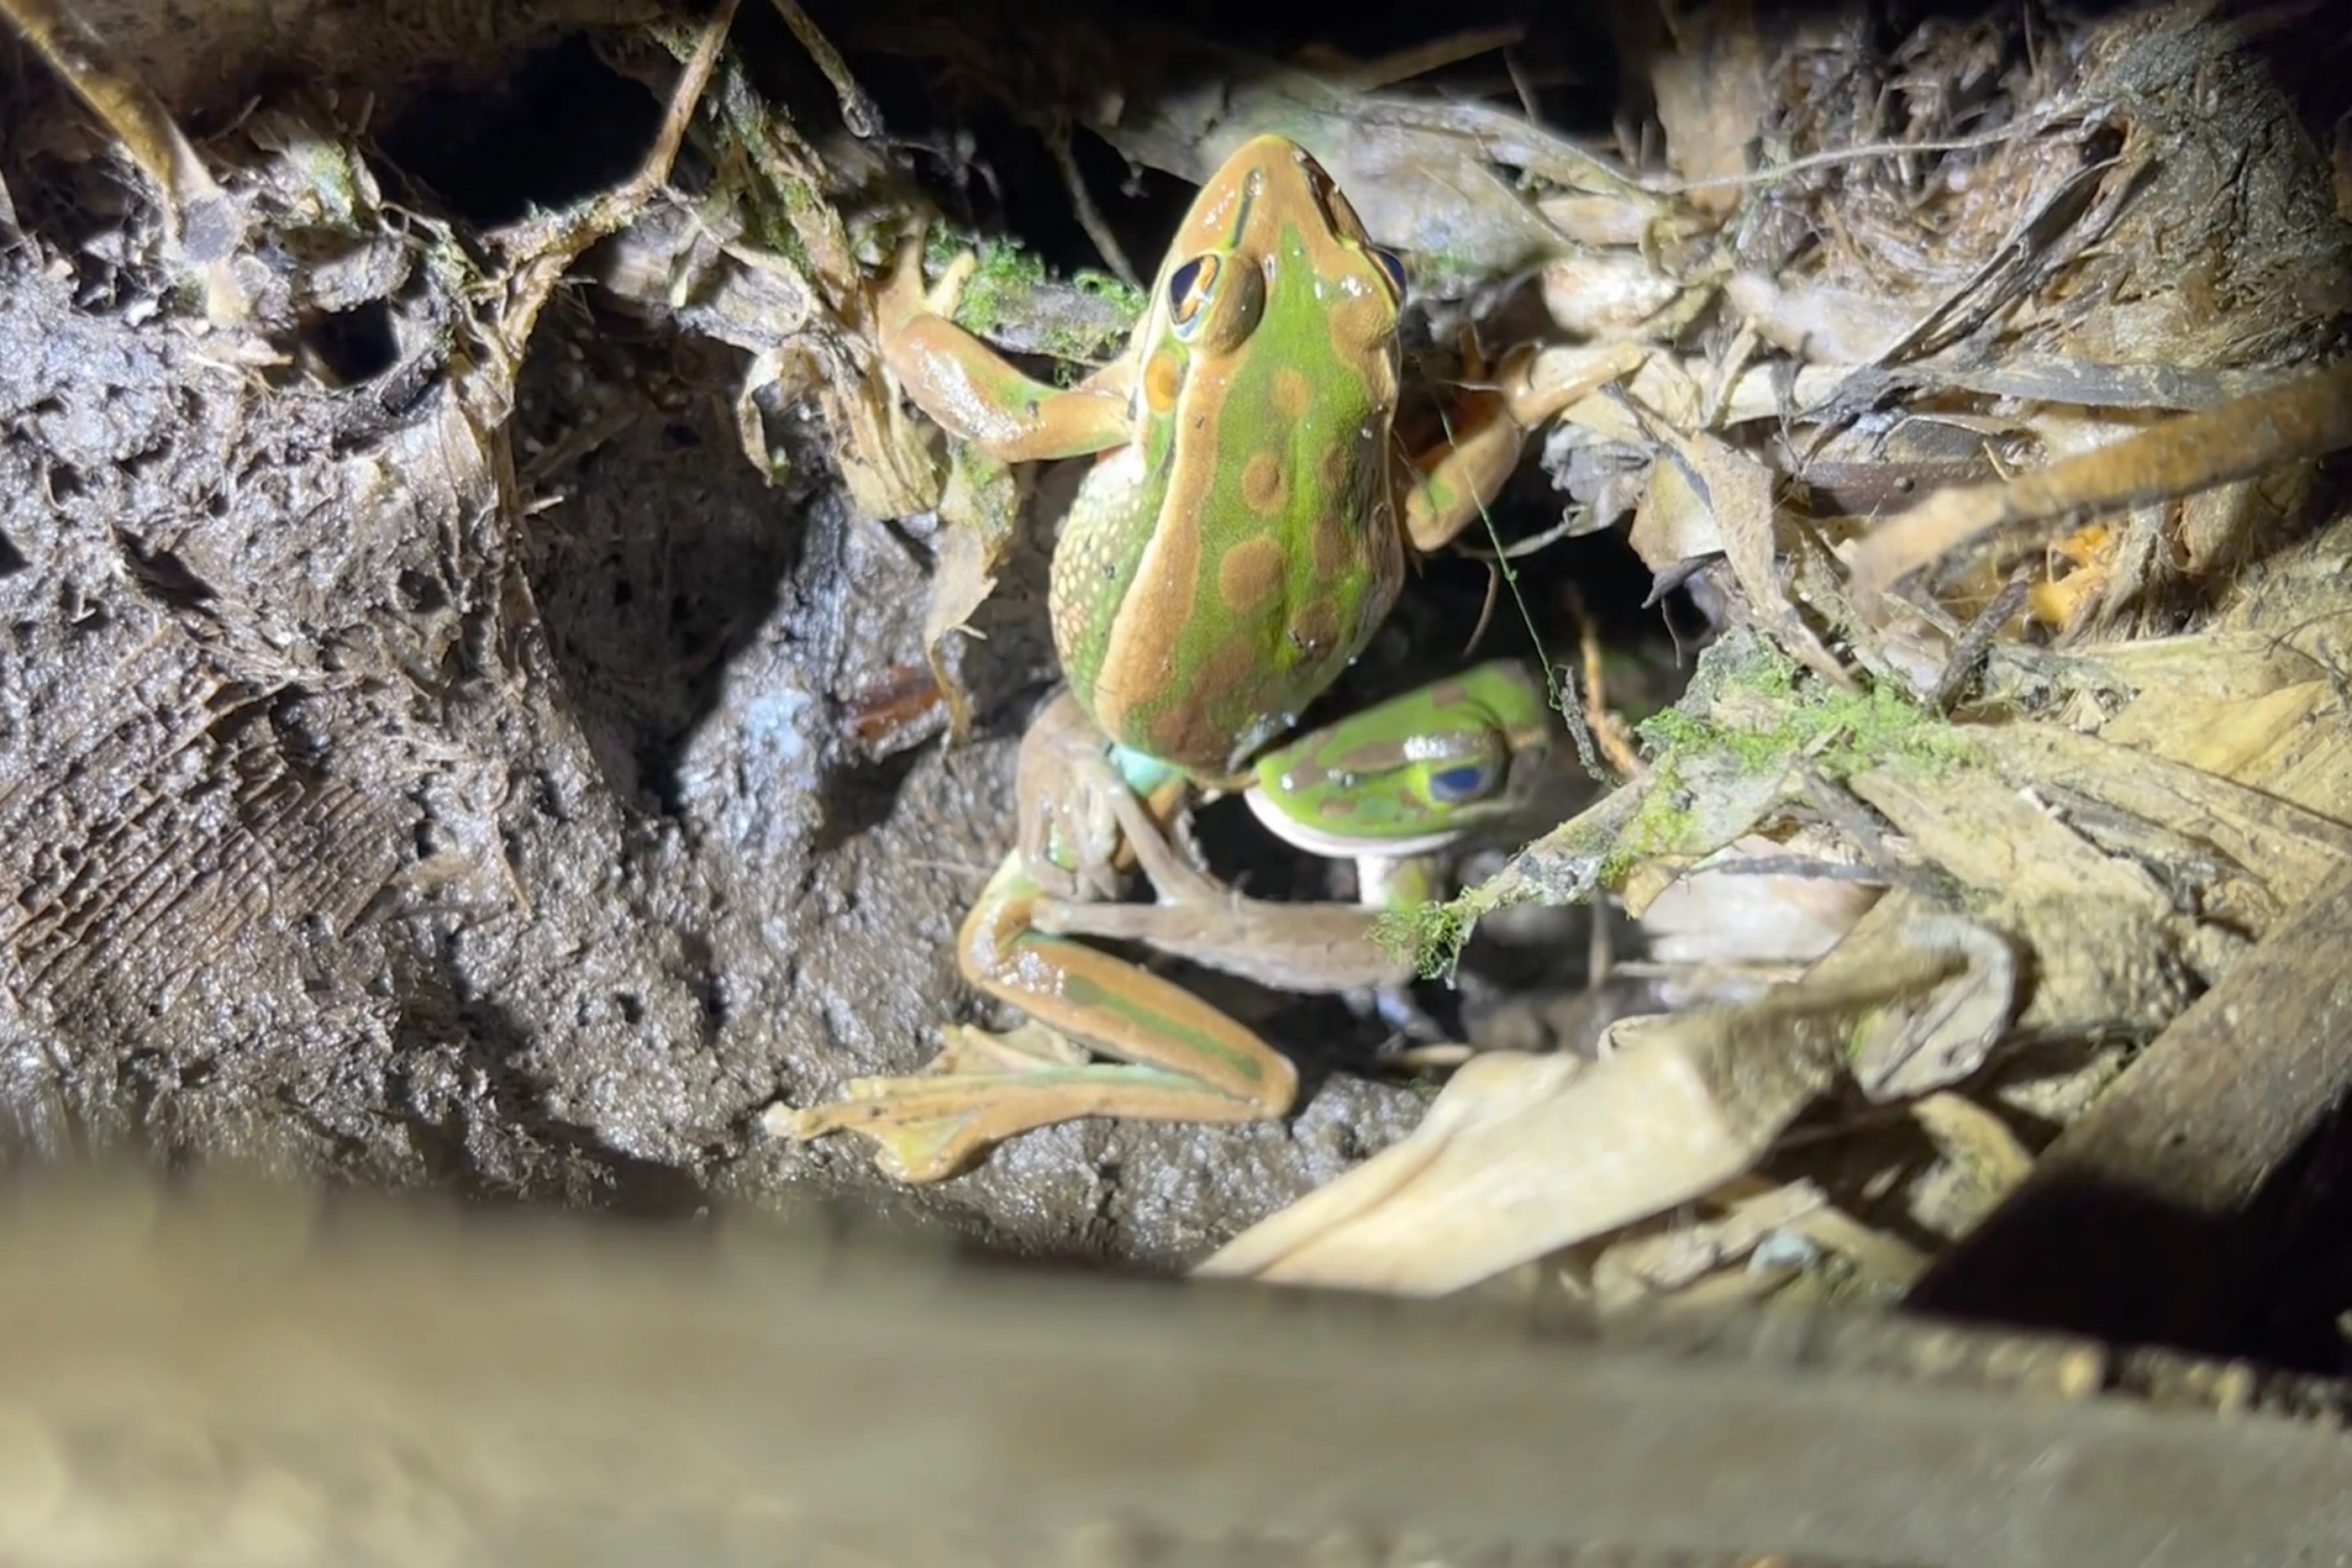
x: 902, y: 296
x: 947, y: 292
x: 915, y: 1148
x: 935, y: 1123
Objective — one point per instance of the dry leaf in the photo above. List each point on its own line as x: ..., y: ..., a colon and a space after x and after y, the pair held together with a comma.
x: 980, y: 513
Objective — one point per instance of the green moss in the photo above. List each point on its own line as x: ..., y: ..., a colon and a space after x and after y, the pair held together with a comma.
x: 941, y: 248
x: 767, y: 215
x: 1760, y: 711
x: 1428, y: 936
x: 1008, y: 275
x: 1103, y: 286
x: 331, y: 183
x: 1663, y: 825
x: 1004, y: 289
x: 775, y: 213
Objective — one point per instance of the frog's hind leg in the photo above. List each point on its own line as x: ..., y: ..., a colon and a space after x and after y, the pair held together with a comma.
x: 1179, y: 1058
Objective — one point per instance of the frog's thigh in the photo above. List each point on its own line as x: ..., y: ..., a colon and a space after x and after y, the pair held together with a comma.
x: 1123, y: 1012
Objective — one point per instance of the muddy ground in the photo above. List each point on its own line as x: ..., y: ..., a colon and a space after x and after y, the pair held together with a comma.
x: 399, y: 797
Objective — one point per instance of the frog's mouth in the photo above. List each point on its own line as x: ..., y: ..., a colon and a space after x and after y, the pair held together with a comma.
x: 1336, y: 846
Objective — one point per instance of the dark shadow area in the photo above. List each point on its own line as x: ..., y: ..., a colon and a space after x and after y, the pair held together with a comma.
x: 1011, y: 184
x: 470, y: 1145
x: 671, y: 560
x: 2299, y: 1307
x: 353, y: 346
x: 559, y: 127
x: 2081, y: 1257
x: 2272, y: 1284
x: 2307, y: 46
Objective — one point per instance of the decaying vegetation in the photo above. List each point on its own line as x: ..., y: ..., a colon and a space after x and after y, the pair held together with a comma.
x: 433, y: 757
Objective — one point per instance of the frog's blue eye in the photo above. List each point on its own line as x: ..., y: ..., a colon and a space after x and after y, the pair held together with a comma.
x: 1451, y: 786
x: 1189, y: 287
x: 1394, y: 267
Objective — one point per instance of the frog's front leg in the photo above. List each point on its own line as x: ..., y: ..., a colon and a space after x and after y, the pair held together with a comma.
x: 973, y: 392
x: 1179, y: 1058
x: 1441, y: 491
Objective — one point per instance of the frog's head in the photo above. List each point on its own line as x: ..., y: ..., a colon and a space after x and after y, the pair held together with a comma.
x: 1272, y: 267
x: 1413, y: 774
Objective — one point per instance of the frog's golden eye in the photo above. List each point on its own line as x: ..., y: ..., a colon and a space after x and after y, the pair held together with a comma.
x: 1189, y: 291
x: 1214, y: 304
x: 1393, y: 266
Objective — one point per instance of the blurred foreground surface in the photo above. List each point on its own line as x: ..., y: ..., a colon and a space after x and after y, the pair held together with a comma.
x: 245, y: 1375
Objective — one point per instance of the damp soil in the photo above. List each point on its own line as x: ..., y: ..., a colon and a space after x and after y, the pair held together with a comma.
x: 400, y: 796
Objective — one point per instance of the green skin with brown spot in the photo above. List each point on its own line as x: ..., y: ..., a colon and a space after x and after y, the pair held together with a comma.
x: 1163, y: 656
x: 1237, y: 545
x: 1244, y: 529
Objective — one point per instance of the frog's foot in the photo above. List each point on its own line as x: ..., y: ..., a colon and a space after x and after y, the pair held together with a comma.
x: 982, y: 1088
x: 1534, y: 392
x: 1448, y: 487
x: 902, y: 296
x: 1315, y: 948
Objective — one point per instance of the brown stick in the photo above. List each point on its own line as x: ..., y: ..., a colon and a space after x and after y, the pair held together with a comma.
x: 2154, y: 1217
x: 2307, y: 418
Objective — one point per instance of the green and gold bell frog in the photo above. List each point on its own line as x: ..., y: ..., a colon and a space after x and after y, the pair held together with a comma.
x: 1232, y: 549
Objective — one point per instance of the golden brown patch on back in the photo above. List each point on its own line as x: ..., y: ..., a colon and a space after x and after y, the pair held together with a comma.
x: 1292, y: 393
x: 1228, y: 670
x: 1316, y: 627
x: 1262, y: 482
x: 1250, y: 572
x: 1385, y: 546
x: 1179, y: 735
x: 1197, y: 731
x: 1357, y: 322
x: 1188, y: 732
x: 1334, y: 547
x: 1161, y: 378
x: 1337, y: 461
